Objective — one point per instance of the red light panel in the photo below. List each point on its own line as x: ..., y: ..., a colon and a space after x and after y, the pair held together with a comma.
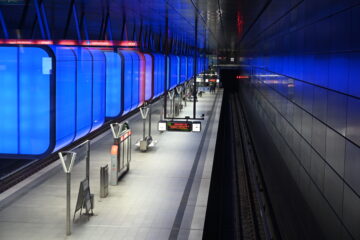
x: 242, y: 77
x: 97, y: 43
x: 128, y: 44
x: 94, y: 43
x: 67, y: 42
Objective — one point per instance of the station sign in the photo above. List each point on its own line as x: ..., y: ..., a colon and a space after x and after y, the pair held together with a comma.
x: 179, y: 126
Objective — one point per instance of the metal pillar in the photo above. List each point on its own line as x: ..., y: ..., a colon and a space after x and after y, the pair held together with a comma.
x: 88, y: 161
x: 67, y: 164
x: 150, y: 122
x: 68, y: 194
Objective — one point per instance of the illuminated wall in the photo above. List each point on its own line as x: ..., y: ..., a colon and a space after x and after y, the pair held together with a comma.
x: 113, y: 84
x: 25, y: 95
x: 314, y: 108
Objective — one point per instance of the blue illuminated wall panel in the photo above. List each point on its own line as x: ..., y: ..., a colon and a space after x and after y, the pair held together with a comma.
x: 34, y: 100
x: 65, y: 96
x: 159, y: 74
x: 148, y: 77
x: 184, y: 66
x: 135, y: 100
x: 84, y: 90
x: 25, y: 95
x: 174, y: 71
x: 9, y: 131
x: 113, y: 84
x: 98, y: 88
x: 128, y: 74
x: 156, y: 73
x: 168, y: 73
x: 190, y: 67
x: 162, y: 75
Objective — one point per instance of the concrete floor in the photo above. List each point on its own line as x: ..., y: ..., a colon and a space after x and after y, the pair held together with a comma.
x: 163, y: 196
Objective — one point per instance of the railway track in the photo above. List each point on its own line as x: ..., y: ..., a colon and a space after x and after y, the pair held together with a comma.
x: 239, y: 193
x: 257, y: 216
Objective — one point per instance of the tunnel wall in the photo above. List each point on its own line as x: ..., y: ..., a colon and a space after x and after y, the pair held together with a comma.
x: 306, y: 88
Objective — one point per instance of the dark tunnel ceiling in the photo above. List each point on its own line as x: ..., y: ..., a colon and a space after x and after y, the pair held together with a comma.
x: 225, y: 22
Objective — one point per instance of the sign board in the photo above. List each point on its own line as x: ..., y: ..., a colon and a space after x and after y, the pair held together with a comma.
x: 84, y: 197
x: 179, y: 126
x: 162, y: 126
x: 176, y: 126
x: 196, y: 127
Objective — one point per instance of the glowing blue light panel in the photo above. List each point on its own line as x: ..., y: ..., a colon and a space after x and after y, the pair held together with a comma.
x: 98, y: 88
x: 159, y: 74
x: 148, y: 76
x: 34, y: 102
x: 135, y: 81
x: 128, y: 68
x: 174, y: 71
x: 9, y: 100
x: 83, y: 92
x: 25, y: 98
x: 190, y: 67
x: 162, y: 85
x: 113, y: 84
x: 65, y: 96
x: 183, y: 75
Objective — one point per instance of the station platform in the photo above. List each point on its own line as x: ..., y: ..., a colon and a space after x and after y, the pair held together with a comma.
x: 163, y: 196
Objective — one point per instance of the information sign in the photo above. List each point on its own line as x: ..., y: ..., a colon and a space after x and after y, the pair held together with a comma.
x: 177, y: 126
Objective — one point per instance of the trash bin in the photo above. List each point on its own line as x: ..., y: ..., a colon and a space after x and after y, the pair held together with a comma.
x: 104, y: 181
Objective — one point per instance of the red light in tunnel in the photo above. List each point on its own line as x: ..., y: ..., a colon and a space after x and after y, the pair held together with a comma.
x: 242, y: 77
x: 239, y: 23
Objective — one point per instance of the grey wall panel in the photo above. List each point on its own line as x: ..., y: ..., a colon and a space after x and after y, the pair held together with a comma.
x: 352, y: 166
x: 306, y: 126
x: 353, y: 120
x: 335, y: 151
x: 336, y: 111
x: 320, y: 103
x: 351, y: 212
x: 317, y: 170
x: 333, y: 189
x: 318, y: 138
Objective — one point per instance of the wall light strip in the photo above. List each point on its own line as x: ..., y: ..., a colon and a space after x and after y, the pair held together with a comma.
x: 90, y: 43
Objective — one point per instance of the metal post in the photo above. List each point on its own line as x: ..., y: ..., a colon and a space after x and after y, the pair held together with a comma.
x: 149, y: 122
x: 195, y: 63
x: 67, y: 163
x: 88, y: 162
x: 173, y: 106
x: 144, y: 123
x: 68, y: 194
